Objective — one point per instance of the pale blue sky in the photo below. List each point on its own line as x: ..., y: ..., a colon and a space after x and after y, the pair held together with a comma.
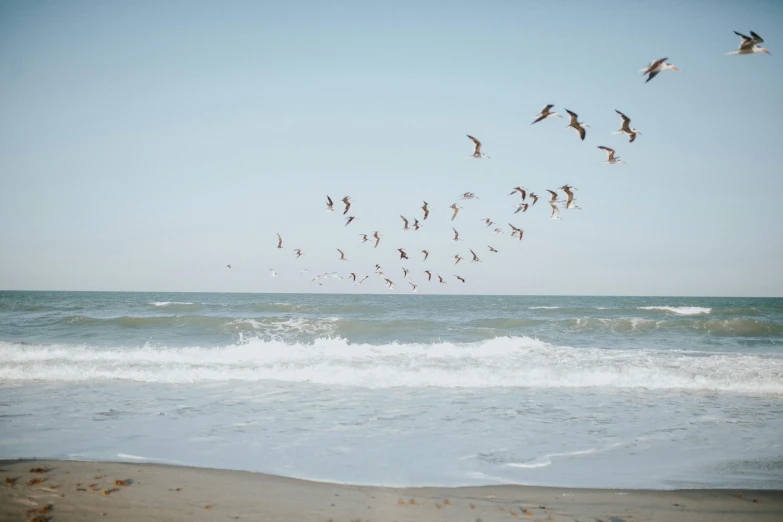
x: 145, y: 145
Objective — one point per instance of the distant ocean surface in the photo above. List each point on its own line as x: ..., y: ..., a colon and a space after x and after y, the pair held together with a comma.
x: 632, y: 392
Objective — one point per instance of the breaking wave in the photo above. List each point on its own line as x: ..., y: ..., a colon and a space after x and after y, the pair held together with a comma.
x: 679, y: 310
x: 498, y: 362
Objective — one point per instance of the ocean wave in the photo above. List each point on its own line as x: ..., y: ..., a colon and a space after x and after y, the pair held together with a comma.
x: 544, y: 307
x: 679, y: 310
x: 734, y: 327
x: 499, y: 362
x: 173, y: 303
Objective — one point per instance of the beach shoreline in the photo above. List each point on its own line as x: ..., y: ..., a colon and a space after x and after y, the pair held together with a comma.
x: 86, y: 490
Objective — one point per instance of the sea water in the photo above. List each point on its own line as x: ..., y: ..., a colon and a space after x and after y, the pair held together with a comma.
x: 632, y: 392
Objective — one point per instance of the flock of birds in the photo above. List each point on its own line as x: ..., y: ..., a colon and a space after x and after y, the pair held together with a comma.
x: 748, y: 45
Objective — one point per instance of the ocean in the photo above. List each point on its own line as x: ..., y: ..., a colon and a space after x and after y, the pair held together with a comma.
x: 626, y: 392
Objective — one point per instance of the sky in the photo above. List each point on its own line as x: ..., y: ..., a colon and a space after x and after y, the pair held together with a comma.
x: 146, y: 145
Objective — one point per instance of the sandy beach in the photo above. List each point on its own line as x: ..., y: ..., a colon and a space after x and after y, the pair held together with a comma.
x: 55, y: 490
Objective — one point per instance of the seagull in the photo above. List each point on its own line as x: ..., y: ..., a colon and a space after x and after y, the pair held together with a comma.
x: 364, y: 238
x: 456, y: 234
x: 456, y: 208
x: 578, y: 126
x: 405, y: 272
x: 458, y: 258
x: 363, y: 280
x: 522, y: 207
x: 610, y: 158
x: 748, y: 44
x: 347, y: 202
x: 522, y: 191
x: 298, y: 252
x: 279, y: 241
x: 273, y: 273
x: 655, y: 67
x: 348, y: 220
x: 469, y: 195
x: 544, y: 114
x: 352, y: 275
x: 342, y: 255
x: 516, y: 231
x: 415, y: 288
x: 488, y: 221
x: 228, y: 266
x: 389, y: 283
x: 553, y: 197
x: 429, y: 275
x: 555, y: 212
x: 405, y: 221
x: 475, y: 257
x: 460, y: 278
x: 403, y: 255
x: 534, y: 197
x: 329, y: 204
x: 426, y: 255
x: 377, y: 237
x: 497, y: 231
x: 426, y: 208
x: 625, y: 127
x: 416, y: 225
x: 377, y: 267
x: 477, y: 149
x: 569, y: 195
x: 441, y: 281
x: 492, y: 249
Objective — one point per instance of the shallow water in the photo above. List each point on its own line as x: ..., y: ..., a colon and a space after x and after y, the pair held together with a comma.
x: 402, y: 390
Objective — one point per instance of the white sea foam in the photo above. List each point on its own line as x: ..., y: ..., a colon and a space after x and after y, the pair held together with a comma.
x: 544, y: 307
x: 168, y: 303
x: 681, y: 310
x: 498, y: 362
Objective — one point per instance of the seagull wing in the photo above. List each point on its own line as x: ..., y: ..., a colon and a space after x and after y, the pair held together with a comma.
x: 573, y: 116
x: 756, y: 38
x: 477, y: 149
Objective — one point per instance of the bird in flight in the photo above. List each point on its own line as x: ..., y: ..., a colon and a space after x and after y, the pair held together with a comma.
x: 415, y: 288
x: 403, y: 255
x: 455, y: 209
x: 405, y: 225
x: 279, y: 241
x: 426, y: 208
x: 458, y: 258
x: 348, y: 220
x: 228, y: 266
x: 364, y: 238
x: 749, y: 44
x: 460, y: 278
x: 610, y: 157
x: 578, y: 126
x: 416, y: 225
x: 404, y: 272
x: 476, y: 148
x: 488, y: 222
x: 329, y: 204
x: 342, y: 255
x: 555, y: 212
x: 441, y: 281
x: 655, y: 67
x: 469, y: 195
x: 429, y: 275
x: 522, y: 207
x: 456, y: 234
x: 272, y: 272
x: 534, y: 197
x: 426, y: 255
x: 298, y: 252
x: 492, y: 249
x: 625, y: 127
x: 516, y: 231
x: 475, y: 257
x: 347, y: 201
x: 545, y: 113
x: 522, y: 192
x: 377, y: 237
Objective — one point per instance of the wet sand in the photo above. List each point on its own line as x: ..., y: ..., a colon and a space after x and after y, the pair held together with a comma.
x: 86, y: 491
